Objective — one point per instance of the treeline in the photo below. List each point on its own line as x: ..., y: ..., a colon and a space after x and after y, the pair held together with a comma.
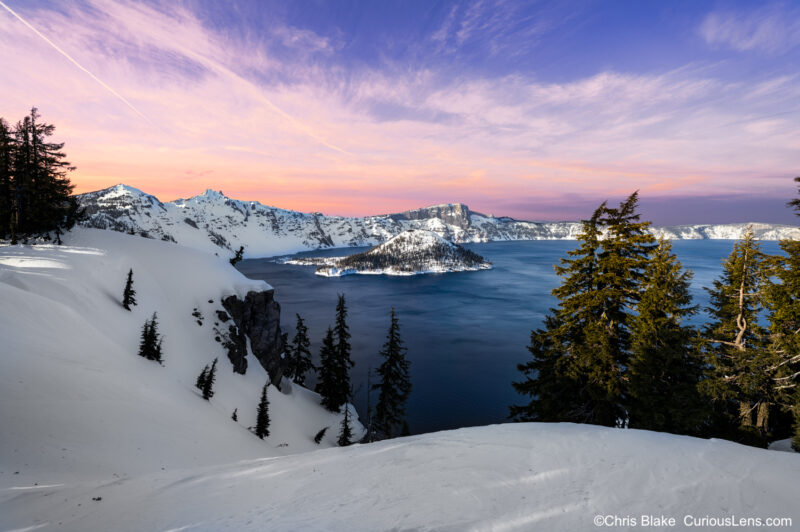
x: 35, y: 192
x: 410, y: 260
x: 618, y: 349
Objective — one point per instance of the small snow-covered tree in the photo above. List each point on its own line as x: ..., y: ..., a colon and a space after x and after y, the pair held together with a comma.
x: 395, y: 383
x: 235, y: 415
x: 150, y: 344
x: 327, y: 385
x: 129, y: 294
x: 201, y: 379
x: 208, y: 384
x: 345, y: 432
x: 300, y: 354
x: 320, y: 435
x: 262, y: 418
x: 237, y: 257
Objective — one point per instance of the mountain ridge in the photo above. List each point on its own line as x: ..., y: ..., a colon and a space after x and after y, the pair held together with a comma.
x: 215, y: 222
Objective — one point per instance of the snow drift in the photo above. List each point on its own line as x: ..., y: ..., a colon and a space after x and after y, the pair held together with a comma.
x: 522, y: 477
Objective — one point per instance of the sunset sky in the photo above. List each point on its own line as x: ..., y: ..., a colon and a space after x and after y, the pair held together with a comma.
x: 537, y: 110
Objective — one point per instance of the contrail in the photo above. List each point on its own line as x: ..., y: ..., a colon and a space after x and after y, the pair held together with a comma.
x: 65, y: 54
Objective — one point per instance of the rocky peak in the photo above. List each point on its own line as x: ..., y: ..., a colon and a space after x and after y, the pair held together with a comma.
x: 456, y: 214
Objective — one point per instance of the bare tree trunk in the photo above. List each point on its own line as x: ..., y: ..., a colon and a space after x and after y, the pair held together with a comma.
x: 745, y: 414
x: 740, y: 321
x: 762, y: 418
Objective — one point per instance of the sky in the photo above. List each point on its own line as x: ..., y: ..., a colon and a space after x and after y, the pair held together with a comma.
x: 536, y: 110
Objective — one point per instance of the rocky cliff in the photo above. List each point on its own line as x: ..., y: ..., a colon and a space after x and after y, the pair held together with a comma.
x: 254, y: 320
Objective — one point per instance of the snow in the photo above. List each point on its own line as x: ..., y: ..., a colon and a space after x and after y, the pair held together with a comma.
x: 502, y: 478
x: 215, y: 223
x: 95, y: 438
x: 79, y: 404
x: 782, y: 445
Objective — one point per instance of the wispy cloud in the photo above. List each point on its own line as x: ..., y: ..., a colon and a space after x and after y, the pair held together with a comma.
x: 773, y: 29
x: 275, y: 117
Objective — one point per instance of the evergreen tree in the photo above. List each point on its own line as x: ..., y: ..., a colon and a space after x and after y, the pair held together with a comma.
x: 6, y: 178
x: 343, y: 362
x: 328, y: 385
x: 394, y: 385
x: 300, y: 354
x: 201, y: 379
x: 150, y: 343
x: 262, y: 418
x: 208, y: 383
x: 345, y: 432
x: 580, y: 357
x: 796, y: 435
x: 782, y: 290
x: 129, y: 294
x: 665, y: 365
x: 739, y: 383
x: 237, y: 256
x: 235, y: 415
x: 321, y: 434
x: 552, y: 389
x: 40, y: 191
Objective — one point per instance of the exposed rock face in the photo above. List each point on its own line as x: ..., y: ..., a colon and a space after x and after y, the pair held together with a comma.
x: 257, y: 319
x: 456, y: 214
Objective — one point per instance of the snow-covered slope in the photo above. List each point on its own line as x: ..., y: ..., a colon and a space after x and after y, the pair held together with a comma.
x: 411, y: 252
x: 214, y: 222
x: 556, y: 477
x: 78, y: 403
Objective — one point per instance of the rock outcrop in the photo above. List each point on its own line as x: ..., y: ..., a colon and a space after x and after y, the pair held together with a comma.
x: 256, y: 319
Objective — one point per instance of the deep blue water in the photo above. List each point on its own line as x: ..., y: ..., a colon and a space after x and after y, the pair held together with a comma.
x: 465, y: 332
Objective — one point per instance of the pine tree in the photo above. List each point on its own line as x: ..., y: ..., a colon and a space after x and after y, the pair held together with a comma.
x: 782, y: 289
x: 157, y: 353
x: 345, y: 432
x: 554, y: 389
x: 580, y: 357
x: 327, y: 385
x: 335, y: 362
x: 342, y: 353
x: 738, y: 382
x: 129, y: 294
x: 235, y: 415
x: 150, y: 343
x: 321, y: 434
x: 6, y: 178
x: 665, y: 365
x: 237, y: 257
x: 201, y: 379
x: 300, y: 357
x: 41, y: 194
x: 262, y: 419
x: 796, y: 409
x: 208, y: 383
x: 394, y: 385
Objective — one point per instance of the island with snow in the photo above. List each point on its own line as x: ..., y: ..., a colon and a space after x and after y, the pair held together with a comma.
x: 411, y: 252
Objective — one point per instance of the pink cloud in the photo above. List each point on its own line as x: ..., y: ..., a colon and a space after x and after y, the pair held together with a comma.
x: 317, y: 142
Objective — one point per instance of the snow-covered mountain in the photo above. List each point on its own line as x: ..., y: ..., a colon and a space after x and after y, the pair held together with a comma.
x: 411, y: 252
x: 214, y: 222
x: 515, y: 478
x: 78, y: 403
